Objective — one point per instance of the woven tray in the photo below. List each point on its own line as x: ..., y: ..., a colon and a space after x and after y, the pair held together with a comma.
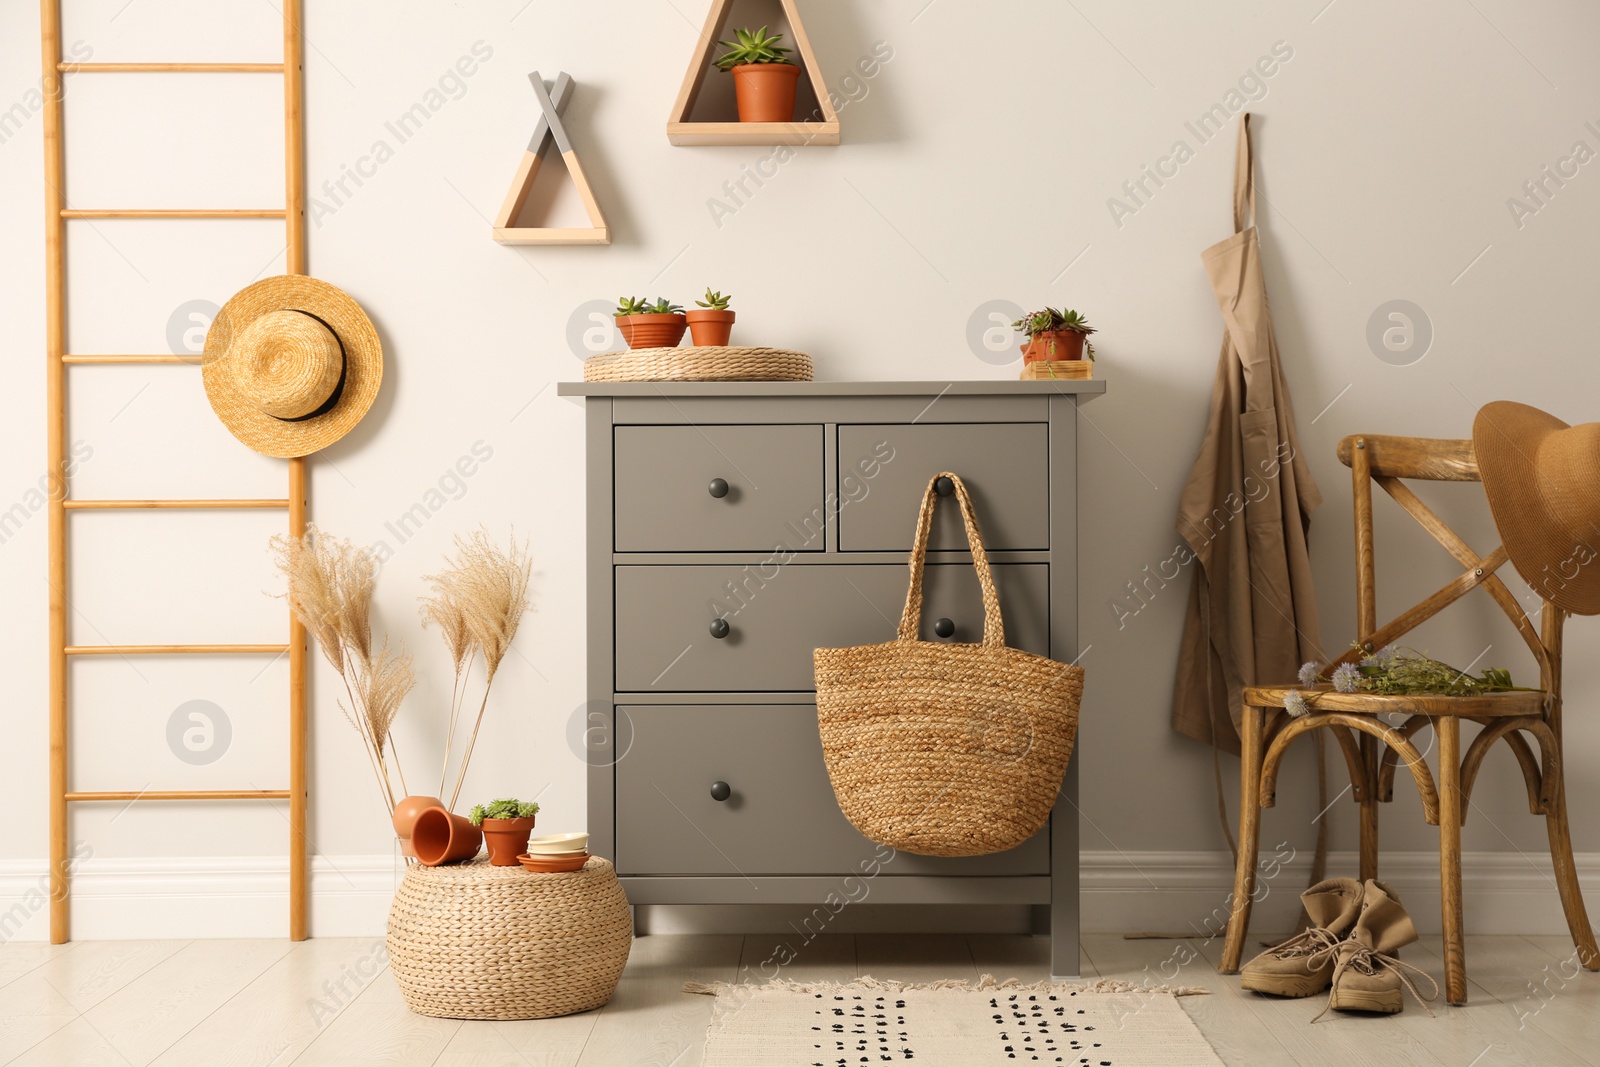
x: 701, y: 363
x: 474, y: 941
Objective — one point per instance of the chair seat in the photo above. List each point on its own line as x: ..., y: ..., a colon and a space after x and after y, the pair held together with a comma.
x: 1485, y: 706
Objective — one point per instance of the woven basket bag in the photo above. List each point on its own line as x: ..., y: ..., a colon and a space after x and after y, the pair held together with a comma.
x: 946, y: 749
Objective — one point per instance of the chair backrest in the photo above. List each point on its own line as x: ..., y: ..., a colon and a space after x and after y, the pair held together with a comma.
x: 1388, y: 461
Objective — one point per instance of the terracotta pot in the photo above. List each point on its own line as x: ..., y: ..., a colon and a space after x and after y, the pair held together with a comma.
x: 405, y: 817
x: 765, y: 91
x: 652, y: 331
x: 1053, y: 345
x: 710, y: 327
x: 507, y: 839
x: 441, y: 836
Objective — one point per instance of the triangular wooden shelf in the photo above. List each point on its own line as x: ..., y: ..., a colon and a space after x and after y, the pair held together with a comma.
x: 551, y: 101
x: 822, y: 128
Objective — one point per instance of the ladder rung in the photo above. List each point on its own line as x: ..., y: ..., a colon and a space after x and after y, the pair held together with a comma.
x: 172, y: 213
x: 193, y: 360
x: 173, y: 650
x: 184, y: 794
x: 119, y: 505
x: 152, y: 68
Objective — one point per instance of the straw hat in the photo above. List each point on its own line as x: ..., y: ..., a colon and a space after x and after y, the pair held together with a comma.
x: 1542, y: 478
x: 291, y: 364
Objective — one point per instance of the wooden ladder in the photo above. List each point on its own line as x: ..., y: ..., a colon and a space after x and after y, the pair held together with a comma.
x: 57, y: 214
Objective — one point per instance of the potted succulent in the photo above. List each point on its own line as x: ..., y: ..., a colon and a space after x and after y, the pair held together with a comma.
x: 764, y: 77
x: 506, y: 824
x: 644, y: 325
x: 711, y: 322
x: 1054, y: 336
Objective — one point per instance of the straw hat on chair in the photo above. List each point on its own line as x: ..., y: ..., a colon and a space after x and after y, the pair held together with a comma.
x: 1542, y: 478
x: 291, y: 365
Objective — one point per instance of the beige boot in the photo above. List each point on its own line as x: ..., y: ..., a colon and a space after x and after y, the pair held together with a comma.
x: 1367, y: 975
x: 1303, y: 965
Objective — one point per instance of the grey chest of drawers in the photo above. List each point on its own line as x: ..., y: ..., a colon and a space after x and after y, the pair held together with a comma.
x: 735, y: 527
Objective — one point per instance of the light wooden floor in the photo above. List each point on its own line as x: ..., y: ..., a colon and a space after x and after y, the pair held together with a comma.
x: 226, y: 1003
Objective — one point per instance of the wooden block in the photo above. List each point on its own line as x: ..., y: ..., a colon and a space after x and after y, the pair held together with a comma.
x: 1058, y: 370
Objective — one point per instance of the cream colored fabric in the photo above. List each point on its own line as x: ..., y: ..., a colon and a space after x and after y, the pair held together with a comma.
x: 1244, y: 513
x: 954, y: 1024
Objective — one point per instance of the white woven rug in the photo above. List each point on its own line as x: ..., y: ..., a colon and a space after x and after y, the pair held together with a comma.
x: 869, y: 1023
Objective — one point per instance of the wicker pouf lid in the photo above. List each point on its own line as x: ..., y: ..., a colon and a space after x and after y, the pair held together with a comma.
x: 473, y: 941
x: 699, y: 363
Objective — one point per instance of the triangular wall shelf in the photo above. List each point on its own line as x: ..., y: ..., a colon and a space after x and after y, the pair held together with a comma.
x: 550, y: 128
x: 698, y: 119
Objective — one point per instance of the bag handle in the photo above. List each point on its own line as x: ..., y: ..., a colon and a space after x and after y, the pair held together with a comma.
x: 1244, y: 179
x: 994, y: 632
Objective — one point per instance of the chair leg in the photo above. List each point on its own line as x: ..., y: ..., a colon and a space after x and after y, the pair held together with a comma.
x: 1555, y: 822
x: 1455, y: 962
x: 1244, y: 877
x: 1370, y: 753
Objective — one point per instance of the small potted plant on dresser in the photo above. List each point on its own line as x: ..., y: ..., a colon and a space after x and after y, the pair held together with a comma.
x: 645, y: 325
x: 1058, y: 342
x: 506, y: 824
x: 711, y: 323
x: 764, y: 77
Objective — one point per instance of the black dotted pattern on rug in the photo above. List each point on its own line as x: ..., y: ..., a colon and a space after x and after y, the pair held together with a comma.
x: 1039, y: 1027
x: 861, y: 1030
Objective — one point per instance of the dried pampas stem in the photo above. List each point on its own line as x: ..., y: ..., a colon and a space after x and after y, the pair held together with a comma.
x: 330, y: 591
x: 477, y: 603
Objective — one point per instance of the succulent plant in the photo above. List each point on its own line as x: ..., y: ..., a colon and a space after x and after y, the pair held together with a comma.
x: 504, y: 808
x: 714, y: 301
x: 1049, y: 319
x: 631, y: 305
x: 662, y: 306
x: 753, y: 46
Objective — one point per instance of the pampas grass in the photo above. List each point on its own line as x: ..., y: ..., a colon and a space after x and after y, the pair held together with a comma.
x: 477, y: 603
x: 330, y: 592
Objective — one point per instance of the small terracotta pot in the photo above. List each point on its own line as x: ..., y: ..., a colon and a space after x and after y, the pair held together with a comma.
x: 405, y: 817
x: 507, y: 839
x: 441, y: 836
x: 765, y: 91
x: 708, y: 326
x: 652, y: 331
x: 1053, y: 345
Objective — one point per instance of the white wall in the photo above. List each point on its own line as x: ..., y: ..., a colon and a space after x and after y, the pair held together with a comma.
x: 977, y: 165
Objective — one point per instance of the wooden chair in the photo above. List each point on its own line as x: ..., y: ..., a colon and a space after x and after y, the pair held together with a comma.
x: 1373, y: 749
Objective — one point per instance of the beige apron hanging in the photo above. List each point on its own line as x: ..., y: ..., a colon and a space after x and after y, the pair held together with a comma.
x: 1244, y: 513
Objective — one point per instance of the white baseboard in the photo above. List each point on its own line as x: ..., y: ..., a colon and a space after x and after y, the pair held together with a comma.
x: 1505, y: 892
x: 1167, y: 892
x: 190, y: 897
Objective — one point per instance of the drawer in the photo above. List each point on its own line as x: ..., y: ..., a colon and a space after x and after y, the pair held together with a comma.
x: 778, y: 615
x: 781, y: 817
x: 1006, y: 467
x: 774, y: 476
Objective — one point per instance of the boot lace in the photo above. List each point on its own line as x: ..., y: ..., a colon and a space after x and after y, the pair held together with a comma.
x: 1348, y: 955
x: 1310, y: 942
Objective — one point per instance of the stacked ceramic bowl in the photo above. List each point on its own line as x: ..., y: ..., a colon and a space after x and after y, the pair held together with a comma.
x: 556, y: 853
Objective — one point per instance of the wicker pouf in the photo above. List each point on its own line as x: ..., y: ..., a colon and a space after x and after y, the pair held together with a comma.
x: 473, y: 941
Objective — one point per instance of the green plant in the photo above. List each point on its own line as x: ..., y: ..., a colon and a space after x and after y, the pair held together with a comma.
x: 504, y: 808
x: 1049, y: 319
x: 631, y: 305
x: 714, y: 301
x: 753, y: 47
x: 662, y: 306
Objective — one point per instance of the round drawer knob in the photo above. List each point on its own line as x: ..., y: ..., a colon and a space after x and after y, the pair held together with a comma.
x: 944, y: 627
x: 944, y: 486
x: 721, y: 791
x: 718, y: 488
x: 720, y: 628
